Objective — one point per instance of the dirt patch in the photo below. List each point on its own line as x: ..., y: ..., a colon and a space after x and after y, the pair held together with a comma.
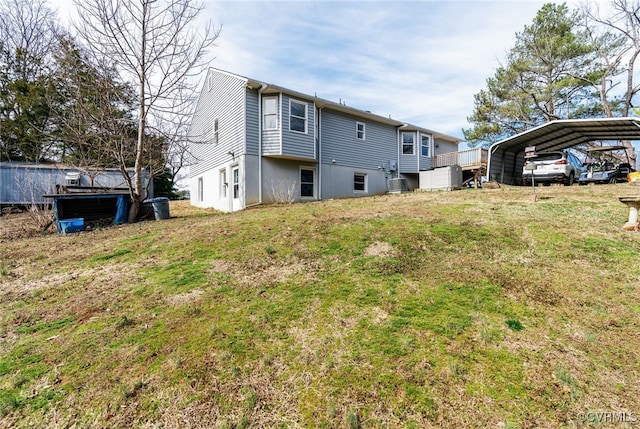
x: 185, y: 298
x: 380, y: 249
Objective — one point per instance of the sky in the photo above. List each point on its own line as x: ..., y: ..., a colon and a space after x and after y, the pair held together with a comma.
x: 418, y: 61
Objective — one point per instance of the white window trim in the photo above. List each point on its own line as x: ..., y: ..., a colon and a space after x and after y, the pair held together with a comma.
x: 216, y: 131
x: 364, y: 131
x: 315, y: 179
x: 306, y: 116
x: 235, y: 168
x: 264, y: 113
x: 224, y: 184
x: 413, y: 146
x: 366, y: 183
x: 429, y: 145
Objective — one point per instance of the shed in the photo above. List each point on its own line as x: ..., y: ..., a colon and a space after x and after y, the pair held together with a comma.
x: 506, y: 157
x: 93, y: 209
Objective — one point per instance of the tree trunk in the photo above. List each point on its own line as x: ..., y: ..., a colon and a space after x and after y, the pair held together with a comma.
x: 138, y: 189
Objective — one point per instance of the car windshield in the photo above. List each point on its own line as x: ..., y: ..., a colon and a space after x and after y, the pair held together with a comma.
x: 548, y: 156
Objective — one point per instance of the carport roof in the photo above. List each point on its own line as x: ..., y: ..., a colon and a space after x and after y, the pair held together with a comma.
x: 563, y: 134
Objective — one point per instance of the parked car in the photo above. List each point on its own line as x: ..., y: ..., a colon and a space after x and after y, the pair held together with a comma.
x: 560, y: 167
x: 604, y: 165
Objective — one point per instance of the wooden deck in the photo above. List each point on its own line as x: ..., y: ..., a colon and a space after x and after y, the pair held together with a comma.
x: 472, y: 161
x: 469, y: 160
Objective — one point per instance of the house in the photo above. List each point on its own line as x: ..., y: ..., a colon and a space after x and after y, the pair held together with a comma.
x: 254, y: 142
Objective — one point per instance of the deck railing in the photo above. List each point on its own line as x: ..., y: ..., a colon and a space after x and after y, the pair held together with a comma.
x: 467, y: 159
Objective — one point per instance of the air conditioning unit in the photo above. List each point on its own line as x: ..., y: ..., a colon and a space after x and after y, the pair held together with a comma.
x: 72, y: 179
x: 397, y: 186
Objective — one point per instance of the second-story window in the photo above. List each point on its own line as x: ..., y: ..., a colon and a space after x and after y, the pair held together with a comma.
x: 215, y: 131
x: 407, y: 143
x: 270, y: 113
x: 360, y: 131
x: 298, y: 116
x: 426, y: 145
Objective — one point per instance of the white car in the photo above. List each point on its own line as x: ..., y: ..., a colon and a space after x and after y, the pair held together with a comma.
x: 560, y: 167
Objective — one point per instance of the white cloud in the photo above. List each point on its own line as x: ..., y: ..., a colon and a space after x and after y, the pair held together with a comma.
x: 419, y: 61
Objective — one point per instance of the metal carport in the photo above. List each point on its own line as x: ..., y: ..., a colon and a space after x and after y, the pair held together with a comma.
x: 506, y: 157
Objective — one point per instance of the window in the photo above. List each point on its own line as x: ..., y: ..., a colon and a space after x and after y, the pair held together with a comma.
x: 426, y: 145
x: 270, y: 113
x: 223, y: 183
x: 407, y: 143
x: 236, y: 182
x: 215, y: 131
x: 297, y: 116
x: 306, y: 182
x: 360, y: 134
x: 200, y: 189
x: 359, y: 182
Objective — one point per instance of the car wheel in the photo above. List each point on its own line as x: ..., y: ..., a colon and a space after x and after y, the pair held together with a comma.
x: 613, y: 180
x: 570, y: 180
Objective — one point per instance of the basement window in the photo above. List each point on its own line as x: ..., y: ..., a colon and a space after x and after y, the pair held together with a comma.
x: 359, y: 182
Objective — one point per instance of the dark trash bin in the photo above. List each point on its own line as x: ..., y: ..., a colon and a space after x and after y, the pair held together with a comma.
x: 158, y: 206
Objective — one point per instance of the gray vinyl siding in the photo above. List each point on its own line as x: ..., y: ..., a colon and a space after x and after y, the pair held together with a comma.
x: 426, y: 163
x: 444, y: 146
x: 223, y: 97
x: 338, y: 141
x: 282, y: 142
x: 271, y: 142
x: 296, y: 144
x: 252, y: 122
x: 410, y: 163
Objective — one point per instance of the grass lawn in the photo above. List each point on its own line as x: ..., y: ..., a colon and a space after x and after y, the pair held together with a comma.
x: 449, y: 309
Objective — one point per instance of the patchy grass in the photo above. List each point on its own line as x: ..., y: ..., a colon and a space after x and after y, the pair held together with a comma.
x: 462, y: 309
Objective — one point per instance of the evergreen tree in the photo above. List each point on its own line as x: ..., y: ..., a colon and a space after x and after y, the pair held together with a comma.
x: 26, y: 37
x: 541, y: 81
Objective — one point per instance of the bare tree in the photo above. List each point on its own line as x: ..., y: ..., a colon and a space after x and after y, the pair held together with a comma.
x: 621, y: 49
x: 27, y: 25
x: 283, y: 190
x: 92, y: 112
x: 27, y: 38
x: 155, y: 45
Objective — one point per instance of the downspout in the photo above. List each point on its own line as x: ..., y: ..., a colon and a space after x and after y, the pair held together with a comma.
x: 319, y: 140
x: 398, y: 155
x: 260, y: 91
x: 263, y: 87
